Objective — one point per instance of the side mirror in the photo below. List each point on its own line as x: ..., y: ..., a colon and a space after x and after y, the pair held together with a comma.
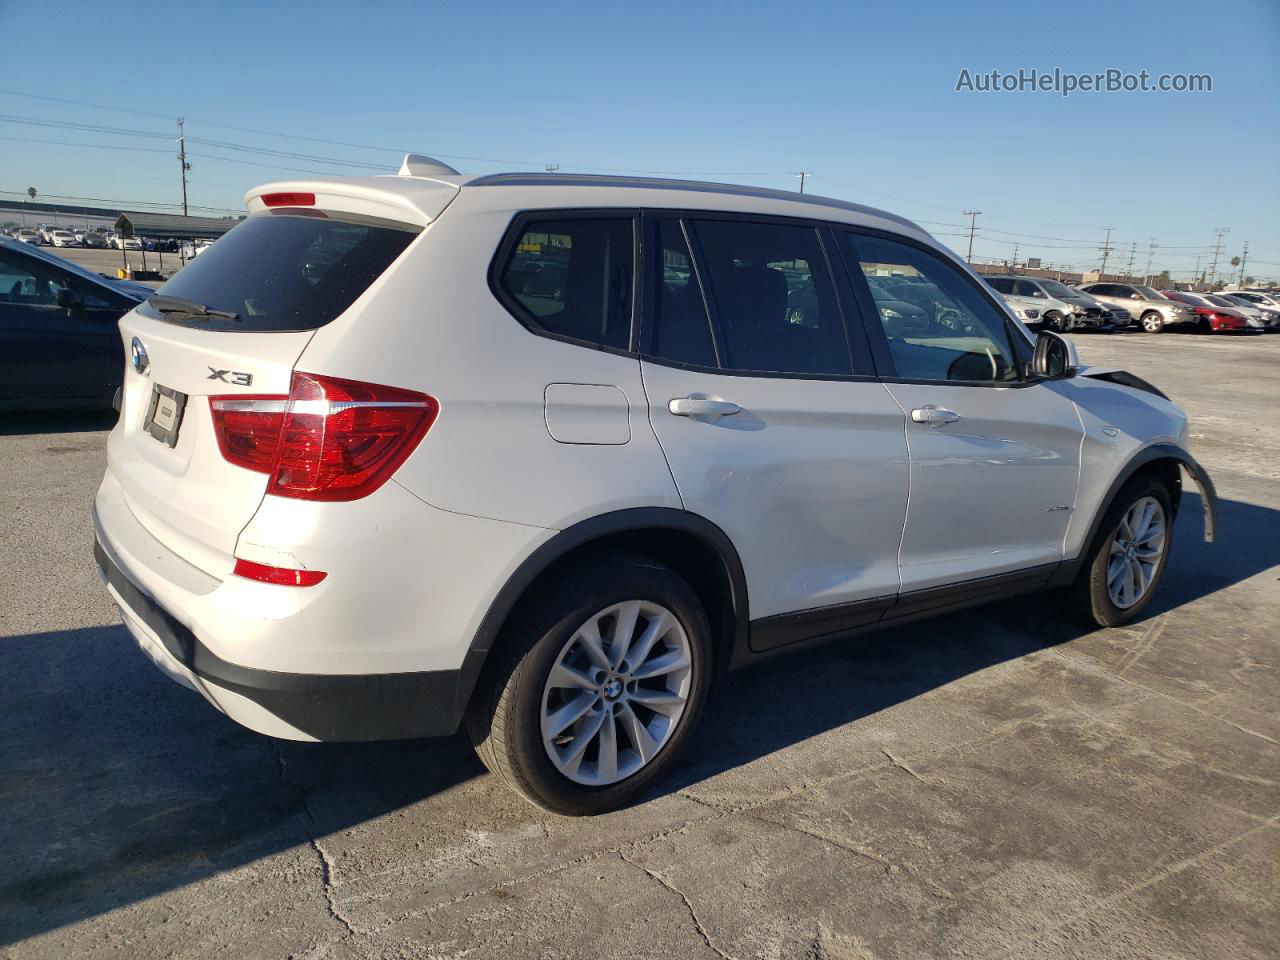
x: 1055, y: 357
x: 68, y: 299
x: 1135, y: 296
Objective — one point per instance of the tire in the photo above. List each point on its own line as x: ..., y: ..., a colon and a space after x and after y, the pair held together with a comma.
x: 1152, y: 322
x: 1092, y: 597
x: 517, y: 701
x: 1056, y: 321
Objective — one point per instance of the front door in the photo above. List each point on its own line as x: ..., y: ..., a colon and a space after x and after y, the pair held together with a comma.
x: 995, y: 458
x: 768, y: 428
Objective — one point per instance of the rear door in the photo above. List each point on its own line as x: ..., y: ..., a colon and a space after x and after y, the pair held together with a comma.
x: 267, y: 286
x: 994, y: 458
x: 771, y: 422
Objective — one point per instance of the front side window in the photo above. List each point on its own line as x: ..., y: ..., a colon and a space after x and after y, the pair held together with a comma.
x: 945, y: 329
x: 775, y: 304
x: 1025, y: 288
x: 29, y: 282
x: 572, y: 277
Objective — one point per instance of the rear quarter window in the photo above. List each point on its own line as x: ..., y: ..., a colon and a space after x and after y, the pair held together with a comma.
x: 572, y: 277
x: 280, y: 272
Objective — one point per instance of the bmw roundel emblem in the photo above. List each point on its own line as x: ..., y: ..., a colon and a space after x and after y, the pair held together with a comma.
x: 138, y: 356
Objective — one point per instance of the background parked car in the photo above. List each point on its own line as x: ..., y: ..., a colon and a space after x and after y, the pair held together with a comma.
x: 59, y: 344
x: 1257, y: 297
x: 1211, y: 318
x: 63, y: 238
x: 95, y: 240
x: 126, y: 243
x: 1270, y: 315
x: 1154, y: 311
x: 28, y: 236
x: 1054, y: 313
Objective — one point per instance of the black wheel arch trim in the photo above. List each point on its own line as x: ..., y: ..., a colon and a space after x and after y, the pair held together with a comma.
x: 630, y: 520
x: 1144, y: 457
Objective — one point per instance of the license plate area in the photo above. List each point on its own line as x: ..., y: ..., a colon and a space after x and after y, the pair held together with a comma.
x: 164, y: 414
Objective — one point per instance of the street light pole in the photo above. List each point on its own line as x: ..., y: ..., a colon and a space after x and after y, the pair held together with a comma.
x: 802, y: 174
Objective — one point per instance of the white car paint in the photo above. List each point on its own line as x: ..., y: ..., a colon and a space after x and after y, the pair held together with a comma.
x: 826, y: 488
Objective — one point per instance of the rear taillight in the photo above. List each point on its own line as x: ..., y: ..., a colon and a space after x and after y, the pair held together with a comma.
x: 330, y: 439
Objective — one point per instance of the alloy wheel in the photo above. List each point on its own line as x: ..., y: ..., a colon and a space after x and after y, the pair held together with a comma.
x: 616, y: 692
x: 1137, y: 550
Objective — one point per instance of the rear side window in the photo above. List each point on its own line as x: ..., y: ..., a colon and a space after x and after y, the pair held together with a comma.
x: 1002, y: 284
x: 775, y: 304
x: 285, y: 271
x: 680, y: 329
x: 572, y: 278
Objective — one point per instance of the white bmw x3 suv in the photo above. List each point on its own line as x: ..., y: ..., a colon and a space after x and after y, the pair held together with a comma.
x: 543, y: 455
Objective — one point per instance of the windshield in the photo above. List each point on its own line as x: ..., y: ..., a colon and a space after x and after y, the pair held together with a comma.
x: 1056, y: 289
x: 1150, y: 294
x: 1220, y: 301
x: 284, y: 271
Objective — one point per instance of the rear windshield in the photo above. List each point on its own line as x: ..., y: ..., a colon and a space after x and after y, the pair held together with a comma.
x: 284, y: 271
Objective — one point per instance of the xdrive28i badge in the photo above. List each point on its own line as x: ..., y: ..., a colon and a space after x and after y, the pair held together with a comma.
x: 138, y: 357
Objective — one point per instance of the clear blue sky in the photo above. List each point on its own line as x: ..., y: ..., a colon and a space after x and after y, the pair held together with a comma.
x: 862, y: 95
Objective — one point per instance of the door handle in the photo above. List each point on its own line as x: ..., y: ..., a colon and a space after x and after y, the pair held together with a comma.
x: 699, y: 407
x: 934, y: 416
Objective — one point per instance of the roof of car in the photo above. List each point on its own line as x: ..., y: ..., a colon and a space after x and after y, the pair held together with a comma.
x: 690, y: 186
x: 422, y: 197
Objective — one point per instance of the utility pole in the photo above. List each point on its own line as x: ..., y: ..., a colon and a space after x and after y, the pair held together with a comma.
x: 1106, y: 252
x: 1133, y: 253
x: 973, y: 216
x: 1151, y: 252
x: 802, y: 174
x: 1195, y: 277
x: 1015, y: 256
x: 182, y: 159
x: 1217, y: 248
x: 1244, y: 257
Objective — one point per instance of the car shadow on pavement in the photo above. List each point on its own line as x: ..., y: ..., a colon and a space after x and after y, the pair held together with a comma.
x: 56, y: 421
x: 117, y: 785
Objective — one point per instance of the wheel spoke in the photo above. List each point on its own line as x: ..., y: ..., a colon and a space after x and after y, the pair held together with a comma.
x: 638, y: 733
x: 623, y: 628
x: 659, y: 666
x: 1139, y: 578
x: 1117, y: 569
x: 588, y: 637
x: 659, y: 701
x: 571, y: 759
x: 655, y: 628
x: 607, y: 765
x: 564, y: 676
x: 567, y: 715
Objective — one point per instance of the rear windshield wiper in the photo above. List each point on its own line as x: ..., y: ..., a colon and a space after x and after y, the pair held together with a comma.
x: 188, y: 308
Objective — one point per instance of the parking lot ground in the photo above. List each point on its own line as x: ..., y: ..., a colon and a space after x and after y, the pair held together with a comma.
x: 997, y: 784
x: 109, y: 261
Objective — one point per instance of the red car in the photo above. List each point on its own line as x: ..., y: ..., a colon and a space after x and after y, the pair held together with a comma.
x: 1213, y: 319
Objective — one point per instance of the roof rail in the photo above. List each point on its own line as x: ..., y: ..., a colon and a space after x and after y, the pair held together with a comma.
x: 417, y: 165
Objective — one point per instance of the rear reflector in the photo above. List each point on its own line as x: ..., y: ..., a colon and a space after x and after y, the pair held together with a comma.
x: 289, y: 199
x: 330, y: 439
x: 277, y: 575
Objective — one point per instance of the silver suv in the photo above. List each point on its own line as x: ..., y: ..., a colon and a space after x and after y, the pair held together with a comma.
x: 1154, y: 311
x: 1062, y: 308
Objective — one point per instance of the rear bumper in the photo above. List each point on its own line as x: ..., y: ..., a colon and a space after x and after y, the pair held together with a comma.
x: 292, y: 706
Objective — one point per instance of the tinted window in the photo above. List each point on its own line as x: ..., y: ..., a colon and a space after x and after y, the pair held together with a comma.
x: 573, y: 278
x: 775, y: 305
x: 1003, y: 284
x: 1025, y: 288
x: 286, y: 271
x: 32, y: 282
x: 946, y: 329
x: 680, y: 328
